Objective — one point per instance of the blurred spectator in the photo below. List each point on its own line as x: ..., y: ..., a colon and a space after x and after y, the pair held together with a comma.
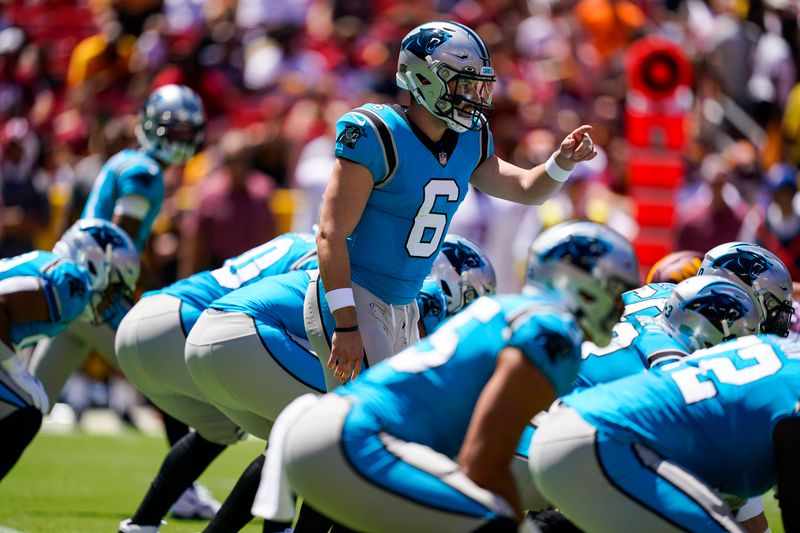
x: 714, y: 215
x: 777, y: 228
x: 24, y: 188
x: 232, y: 212
x: 99, y: 65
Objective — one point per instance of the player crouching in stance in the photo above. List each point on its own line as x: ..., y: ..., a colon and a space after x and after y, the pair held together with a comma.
x: 391, y: 437
x: 646, y: 452
x: 41, y: 293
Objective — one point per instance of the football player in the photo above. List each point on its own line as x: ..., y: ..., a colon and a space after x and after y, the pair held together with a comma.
x: 398, y: 178
x: 129, y: 191
x: 150, y: 351
x: 649, y: 452
x: 462, y: 270
x: 217, y: 402
x: 391, y: 437
x: 250, y: 357
x: 41, y: 294
x: 700, y: 312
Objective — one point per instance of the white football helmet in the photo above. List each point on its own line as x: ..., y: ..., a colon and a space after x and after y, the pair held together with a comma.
x: 703, y: 311
x: 108, y: 254
x: 464, y: 273
x: 447, y: 69
x: 589, y: 265
x: 761, y: 274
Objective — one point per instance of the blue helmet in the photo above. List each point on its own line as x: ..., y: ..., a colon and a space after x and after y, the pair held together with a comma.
x: 171, y: 124
x: 464, y: 273
x: 432, y: 305
x: 761, y: 274
x: 589, y: 265
x: 703, y: 311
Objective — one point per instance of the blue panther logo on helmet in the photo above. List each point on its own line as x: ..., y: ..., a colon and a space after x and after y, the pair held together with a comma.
x: 425, y: 41
x: 746, y: 265
x: 462, y: 258
x: 431, y: 306
x: 581, y: 251
x: 105, y: 236
x: 717, y: 308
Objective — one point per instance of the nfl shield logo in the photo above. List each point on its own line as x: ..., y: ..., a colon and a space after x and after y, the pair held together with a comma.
x: 443, y: 158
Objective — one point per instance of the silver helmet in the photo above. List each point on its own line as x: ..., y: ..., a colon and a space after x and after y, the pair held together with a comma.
x: 108, y: 254
x: 171, y: 124
x: 464, y: 272
x: 705, y: 310
x: 446, y: 67
x: 590, y: 266
x: 761, y: 274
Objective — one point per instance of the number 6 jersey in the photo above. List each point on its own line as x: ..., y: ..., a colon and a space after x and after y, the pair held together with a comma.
x: 418, y: 185
x: 712, y: 413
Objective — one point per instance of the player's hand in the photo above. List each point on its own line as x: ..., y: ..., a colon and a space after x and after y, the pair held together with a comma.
x: 347, y: 350
x: 576, y: 147
x: 27, y: 382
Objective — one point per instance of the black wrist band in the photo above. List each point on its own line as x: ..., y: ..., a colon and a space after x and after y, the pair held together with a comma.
x: 346, y: 330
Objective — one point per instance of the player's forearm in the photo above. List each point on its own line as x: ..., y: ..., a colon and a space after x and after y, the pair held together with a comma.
x: 498, y: 480
x: 334, y: 269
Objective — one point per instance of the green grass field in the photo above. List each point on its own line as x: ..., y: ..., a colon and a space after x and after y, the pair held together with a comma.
x: 84, y: 483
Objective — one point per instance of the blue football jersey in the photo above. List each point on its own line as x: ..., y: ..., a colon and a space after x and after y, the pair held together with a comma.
x: 712, y: 413
x: 128, y: 173
x: 427, y: 393
x: 418, y: 187
x: 287, y: 252
x: 634, y: 347
x: 647, y: 301
x: 432, y: 305
x: 66, y: 287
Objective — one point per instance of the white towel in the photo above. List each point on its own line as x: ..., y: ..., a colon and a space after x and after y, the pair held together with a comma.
x: 274, y: 499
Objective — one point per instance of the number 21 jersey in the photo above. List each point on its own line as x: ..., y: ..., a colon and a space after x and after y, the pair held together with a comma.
x: 418, y: 185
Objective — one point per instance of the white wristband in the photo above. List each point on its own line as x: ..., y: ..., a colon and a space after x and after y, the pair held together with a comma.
x: 339, y: 298
x: 554, y: 171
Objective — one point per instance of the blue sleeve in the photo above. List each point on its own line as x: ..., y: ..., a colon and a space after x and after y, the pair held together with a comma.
x: 67, y: 291
x: 486, y: 141
x: 140, y: 180
x: 656, y: 347
x: 357, y: 140
x: 552, y: 344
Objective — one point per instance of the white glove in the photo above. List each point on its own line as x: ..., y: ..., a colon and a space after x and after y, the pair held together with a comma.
x: 27, y: 382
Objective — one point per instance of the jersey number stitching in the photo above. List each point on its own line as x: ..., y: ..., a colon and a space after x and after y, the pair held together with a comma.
x: 425, y: 219
x: 695, y: 389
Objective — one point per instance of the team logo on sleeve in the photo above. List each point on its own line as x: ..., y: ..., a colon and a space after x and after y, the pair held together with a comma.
x: 583, y: 252
x: 747, y: 266
x: 350, y: 135
x: 717, y: 308
x: 555, y: 345
x: 76, y: 286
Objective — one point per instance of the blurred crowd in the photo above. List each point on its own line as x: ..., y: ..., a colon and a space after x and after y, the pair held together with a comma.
x: 274, y: 76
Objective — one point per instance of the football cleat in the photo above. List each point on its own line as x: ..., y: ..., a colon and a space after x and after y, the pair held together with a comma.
x: 196, y: 503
